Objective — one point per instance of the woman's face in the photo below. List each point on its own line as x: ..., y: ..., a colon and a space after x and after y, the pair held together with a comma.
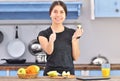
x: 58, y: 15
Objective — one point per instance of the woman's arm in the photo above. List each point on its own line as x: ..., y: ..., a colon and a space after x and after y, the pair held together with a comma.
x: 47, y: 46
x: 75, y: 49
x: 75, y: 43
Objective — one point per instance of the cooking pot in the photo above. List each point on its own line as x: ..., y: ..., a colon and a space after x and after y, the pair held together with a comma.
x: 98, y: 60
x: 1, y: 36
x: 14, y: 61
x: 34, y: 47
x: 41, y: 58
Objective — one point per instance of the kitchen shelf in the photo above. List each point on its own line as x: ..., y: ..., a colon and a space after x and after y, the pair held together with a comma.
x: 34, y: 10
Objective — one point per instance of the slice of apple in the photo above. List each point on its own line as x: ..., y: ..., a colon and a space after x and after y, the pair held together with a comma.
x: 79, y: 26
x: 52, y: 73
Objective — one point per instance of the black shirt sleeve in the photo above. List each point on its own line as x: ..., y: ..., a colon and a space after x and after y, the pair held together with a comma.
x: 46, y: 33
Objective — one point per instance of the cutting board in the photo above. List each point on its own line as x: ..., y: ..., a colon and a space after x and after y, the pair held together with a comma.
x: 61, y: 77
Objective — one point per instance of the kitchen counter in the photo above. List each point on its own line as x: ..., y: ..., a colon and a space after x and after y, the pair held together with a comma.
x: 42, y: 66
x: 115, y: 78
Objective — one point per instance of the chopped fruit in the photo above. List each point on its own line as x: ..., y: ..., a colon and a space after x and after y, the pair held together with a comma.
x: 79, y: 26
x: 53, y: 73
x: 68, y: 73
x: 65, y: 73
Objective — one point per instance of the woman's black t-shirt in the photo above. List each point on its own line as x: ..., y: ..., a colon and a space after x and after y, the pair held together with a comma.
x: 61, y: 59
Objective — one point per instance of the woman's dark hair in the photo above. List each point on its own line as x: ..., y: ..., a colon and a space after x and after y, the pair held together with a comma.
x: 61, y: 3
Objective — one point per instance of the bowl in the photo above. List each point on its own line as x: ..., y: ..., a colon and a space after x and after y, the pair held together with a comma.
x: 27, y: 76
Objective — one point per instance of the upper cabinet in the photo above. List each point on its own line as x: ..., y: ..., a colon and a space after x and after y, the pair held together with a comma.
x: 34, y: 10
x: 106, y: 8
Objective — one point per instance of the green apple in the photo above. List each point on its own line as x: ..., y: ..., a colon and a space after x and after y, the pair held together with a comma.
x: 21, y: 71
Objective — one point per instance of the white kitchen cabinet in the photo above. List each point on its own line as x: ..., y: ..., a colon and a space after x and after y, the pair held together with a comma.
x: 106, y: 8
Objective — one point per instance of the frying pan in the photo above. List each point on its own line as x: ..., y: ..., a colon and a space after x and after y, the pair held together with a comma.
x: 16, y: 48
x: 1, y: 36
x: 14, y: 61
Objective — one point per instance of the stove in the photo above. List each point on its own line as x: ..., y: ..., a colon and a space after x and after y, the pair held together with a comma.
x: 24, y: 64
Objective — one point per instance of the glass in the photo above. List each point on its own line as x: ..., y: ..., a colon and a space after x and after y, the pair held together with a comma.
x: 105, y: 68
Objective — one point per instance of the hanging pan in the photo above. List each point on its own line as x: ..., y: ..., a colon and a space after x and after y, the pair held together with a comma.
x: 34, y: 47
x: 1, y: 36
x: 16, y: 48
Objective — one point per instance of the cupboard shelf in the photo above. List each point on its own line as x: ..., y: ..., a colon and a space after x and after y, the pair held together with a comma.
x: 34, y: 10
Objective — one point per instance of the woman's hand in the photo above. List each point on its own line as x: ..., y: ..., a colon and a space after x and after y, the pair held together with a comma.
x: 52, y: 37
x: 78, y: 33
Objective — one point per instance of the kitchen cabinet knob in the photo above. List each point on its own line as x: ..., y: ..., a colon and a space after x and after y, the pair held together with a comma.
x: 116, y: 10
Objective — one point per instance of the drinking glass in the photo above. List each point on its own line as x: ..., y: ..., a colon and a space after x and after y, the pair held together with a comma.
x: 105, y: 68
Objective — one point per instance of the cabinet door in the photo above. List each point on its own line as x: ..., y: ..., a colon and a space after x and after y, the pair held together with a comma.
x: 2, y: 73
x: 107, y: 8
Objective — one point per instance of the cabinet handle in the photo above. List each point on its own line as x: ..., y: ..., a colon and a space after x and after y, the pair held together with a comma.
x: 117, y: 10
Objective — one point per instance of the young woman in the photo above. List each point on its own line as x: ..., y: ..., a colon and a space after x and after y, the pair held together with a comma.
x: 60, y: 43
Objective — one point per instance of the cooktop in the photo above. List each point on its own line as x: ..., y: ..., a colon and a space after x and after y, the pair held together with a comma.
x: 24, y: 64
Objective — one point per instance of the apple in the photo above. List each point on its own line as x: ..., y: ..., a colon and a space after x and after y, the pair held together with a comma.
x: 68, y: 73
x: 65, y: 73
x: 79, y: 26
x: 21, y: 71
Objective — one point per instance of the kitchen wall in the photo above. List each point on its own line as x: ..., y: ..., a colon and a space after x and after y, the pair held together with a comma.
x: 101, y: 36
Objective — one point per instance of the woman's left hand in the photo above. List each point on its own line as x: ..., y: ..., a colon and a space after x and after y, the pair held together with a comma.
x: 78, y: 33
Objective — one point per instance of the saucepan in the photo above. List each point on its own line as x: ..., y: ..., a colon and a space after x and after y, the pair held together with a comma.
x: 34, y: 47
x: 14, y: 61
x: 98, y: 60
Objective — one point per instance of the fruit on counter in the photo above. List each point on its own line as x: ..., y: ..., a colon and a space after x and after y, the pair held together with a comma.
x: 52, y: 73
x: 65, y: 73
x: 32, y: 69
x: 21, y: 71
x: 68, y: 73
x: 37, y: 67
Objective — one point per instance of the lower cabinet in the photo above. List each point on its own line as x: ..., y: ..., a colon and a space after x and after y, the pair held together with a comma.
x: 3, y: 73
x: 77, y: 73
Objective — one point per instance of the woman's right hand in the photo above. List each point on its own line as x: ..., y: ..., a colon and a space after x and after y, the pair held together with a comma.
x: 52, y: 37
